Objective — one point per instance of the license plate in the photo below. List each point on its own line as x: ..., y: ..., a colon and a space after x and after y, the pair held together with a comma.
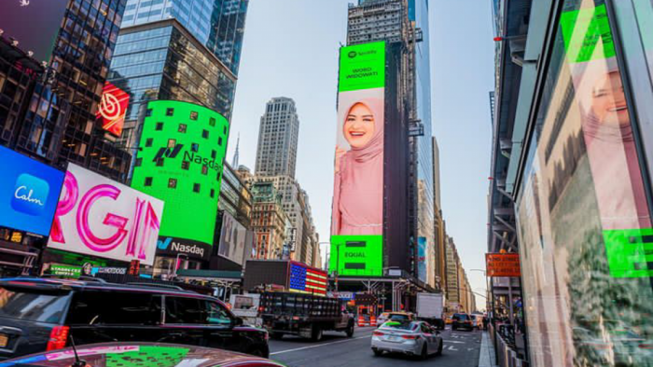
x: 4, y: 340
x: 394, y: 338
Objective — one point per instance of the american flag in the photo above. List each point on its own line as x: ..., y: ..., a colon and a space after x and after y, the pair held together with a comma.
x: 307, y: 280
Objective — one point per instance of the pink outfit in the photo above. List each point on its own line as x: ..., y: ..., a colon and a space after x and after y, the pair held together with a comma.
x: 358, y: 186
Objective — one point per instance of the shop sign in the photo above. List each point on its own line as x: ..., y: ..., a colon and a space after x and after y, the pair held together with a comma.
x: 113, y: 108
x: 172, y: 246
x: 100, y: 217
x: 503, y: 265
x: 109, y: 270
x: 66, y: 271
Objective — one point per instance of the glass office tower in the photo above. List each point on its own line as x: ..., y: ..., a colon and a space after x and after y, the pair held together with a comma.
x: 218, y: 24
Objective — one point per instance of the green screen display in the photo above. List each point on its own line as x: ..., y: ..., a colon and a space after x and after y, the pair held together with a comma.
x: 362, y: 67
x: 587, y: 34
x: 356, y: 255
x: 630, y: 251
x: 180, y: 161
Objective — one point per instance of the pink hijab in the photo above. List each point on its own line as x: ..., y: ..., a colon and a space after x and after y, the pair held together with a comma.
x: 358, y: 187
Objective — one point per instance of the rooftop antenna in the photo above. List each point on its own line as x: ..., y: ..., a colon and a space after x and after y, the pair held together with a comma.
x: 234, y: 162
x: 78, y: 362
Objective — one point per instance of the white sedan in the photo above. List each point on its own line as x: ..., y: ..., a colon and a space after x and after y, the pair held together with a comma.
x: 414, y: 338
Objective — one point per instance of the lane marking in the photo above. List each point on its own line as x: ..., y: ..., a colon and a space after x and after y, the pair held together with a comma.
x: 454, y: 341
x: 319, y: 345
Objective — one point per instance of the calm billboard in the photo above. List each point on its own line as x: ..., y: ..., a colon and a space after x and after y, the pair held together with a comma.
x: 101, y: 217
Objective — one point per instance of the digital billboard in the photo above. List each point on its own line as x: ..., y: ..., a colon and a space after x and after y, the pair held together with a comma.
x: 113, y: 108
x: 34, y: 24
x: 357, y: 213
x: 305, y: 279
x: 421, y: 258
x: 101, y: 217
x: 232, y: 239
x: 180, y: 161
x: 29, y: 192
x: 356, y: 255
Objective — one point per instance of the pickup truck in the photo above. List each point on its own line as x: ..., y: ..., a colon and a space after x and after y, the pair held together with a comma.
x: 305, y: 315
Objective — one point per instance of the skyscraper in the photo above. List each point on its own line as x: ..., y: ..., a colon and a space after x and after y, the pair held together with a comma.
x: 218, y: 24
x: 278, y: 135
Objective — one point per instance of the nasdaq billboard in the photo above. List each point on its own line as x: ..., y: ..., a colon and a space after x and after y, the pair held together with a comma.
x: 357, y: 212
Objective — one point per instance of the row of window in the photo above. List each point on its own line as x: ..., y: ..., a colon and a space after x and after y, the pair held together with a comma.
x: 172, y: 184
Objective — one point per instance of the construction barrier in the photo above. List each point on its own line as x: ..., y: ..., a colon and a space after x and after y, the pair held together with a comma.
x: 372, y: 320
x: 361, y: 321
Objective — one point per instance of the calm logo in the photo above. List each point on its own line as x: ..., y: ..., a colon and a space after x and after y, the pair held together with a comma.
x: 30, y: 195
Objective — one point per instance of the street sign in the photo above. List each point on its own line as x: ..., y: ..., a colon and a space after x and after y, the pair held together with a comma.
x: 502, y: 265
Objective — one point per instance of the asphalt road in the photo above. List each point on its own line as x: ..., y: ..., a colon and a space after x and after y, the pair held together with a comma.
x: 461, y: 349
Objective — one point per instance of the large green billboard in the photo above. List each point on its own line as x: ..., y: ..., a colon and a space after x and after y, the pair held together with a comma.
x: 357, y: 213
x: 180, y: 160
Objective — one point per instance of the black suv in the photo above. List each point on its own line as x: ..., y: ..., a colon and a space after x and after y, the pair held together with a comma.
x: 39, y: 314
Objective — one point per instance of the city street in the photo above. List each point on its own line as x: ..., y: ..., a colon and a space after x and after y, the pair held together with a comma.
x: 461, y: 349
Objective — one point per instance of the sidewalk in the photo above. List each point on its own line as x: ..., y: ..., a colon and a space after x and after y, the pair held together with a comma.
x: 487, y: 356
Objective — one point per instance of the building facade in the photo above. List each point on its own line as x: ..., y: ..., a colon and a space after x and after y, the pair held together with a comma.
x: 439, y: 225
x: 571, y: 173
x: 278, y: 136
x: 217, y: 24
x: 163, y: 60
x: 452, y: 273
x: 270, y: 223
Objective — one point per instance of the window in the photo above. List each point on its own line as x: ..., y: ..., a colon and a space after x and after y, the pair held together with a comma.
x: 148, y: 142
x: 205, y: 134
x: 194, y: 115
x: 138, y: 162
x: 196, y: 188
x: 213, y: 154
x: 148, y: 112
x: 23, y: 304
x: 217, y: 315
x: 220, y: 141
x: 172, y: 143
x: 182, y: 128
x: 148, y: 181
x: 114, y: 308
x: 182, y: 310
x: 159, y: 126
x: 195, y: 147
x: 224, y: 130
x: 185, y: 165
x: 172, y: 183
x: 170, y: 111
x: 159, y: 162
x: 205, y: 170
x: 211, y: 121
x: 212, y: 193
x: 219, y: 176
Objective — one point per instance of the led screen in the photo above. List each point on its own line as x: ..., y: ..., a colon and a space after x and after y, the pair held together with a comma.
x: 30, y: 190
x: 33, y: 23
x: 232, y: 239
x: 357, y: 213
x: 304, y: 279
x: 101, y: 217
x: 112, y: 109
x: 356, y: 255
x: 180, y: 161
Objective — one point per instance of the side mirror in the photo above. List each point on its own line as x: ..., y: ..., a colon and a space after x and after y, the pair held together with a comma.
x: 238, y: 321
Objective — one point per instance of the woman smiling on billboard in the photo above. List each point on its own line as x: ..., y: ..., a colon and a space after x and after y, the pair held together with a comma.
x: 358, y: 187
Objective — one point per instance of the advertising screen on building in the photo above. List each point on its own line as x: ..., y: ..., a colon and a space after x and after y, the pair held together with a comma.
x: 421, y: 258
x: 34, y: 24
x: 113, y: 108
x: 356, y: 255
x: 232, y: 239
x: 30, y: 190
x: 357, y: 213
x: 101, y: 217
x: 180, y: 161
x: 305, y: 279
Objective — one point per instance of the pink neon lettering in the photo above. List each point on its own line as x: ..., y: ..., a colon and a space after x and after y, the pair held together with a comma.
x: 151, y: 225
x: 66, y: 204
x: 86, y: 234
x: 136, y: 228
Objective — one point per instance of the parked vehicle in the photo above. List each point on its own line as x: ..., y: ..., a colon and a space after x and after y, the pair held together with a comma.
x: 430, y: 308
x: 38, y: 314
x: 413, y: 338
x: 461, y: 321
x: 305, y: 315
x: 136, y: 354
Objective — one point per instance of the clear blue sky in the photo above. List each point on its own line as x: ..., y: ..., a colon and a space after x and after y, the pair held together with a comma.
x: 291, y: 50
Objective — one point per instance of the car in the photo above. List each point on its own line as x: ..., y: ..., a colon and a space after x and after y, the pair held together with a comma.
x: 412, y: 338
x: 39, y: 314
x: 395, y: 316
x: 461, y: 321
x: 139, y: 354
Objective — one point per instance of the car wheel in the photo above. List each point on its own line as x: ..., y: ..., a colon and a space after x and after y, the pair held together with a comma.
x: 350, y: 330
x: 316, y: 334
x: 439, y: 352
x: 377, y: 353
x: 425, y: 354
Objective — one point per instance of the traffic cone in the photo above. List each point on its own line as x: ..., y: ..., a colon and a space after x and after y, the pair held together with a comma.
x: 372, y: 320
x: 361, y: 320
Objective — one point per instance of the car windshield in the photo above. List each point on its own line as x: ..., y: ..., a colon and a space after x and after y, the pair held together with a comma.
x: 27, y: 304
x: 396, y: 317
x: 461, y: 317
x: 400, y: 325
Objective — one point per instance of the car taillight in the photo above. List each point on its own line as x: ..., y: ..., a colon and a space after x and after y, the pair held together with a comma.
x: 409, y: 337
x: 58, y: 337
x: 378, y: 333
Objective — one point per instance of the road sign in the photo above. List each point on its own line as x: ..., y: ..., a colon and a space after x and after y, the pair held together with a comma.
x: 502, y: 265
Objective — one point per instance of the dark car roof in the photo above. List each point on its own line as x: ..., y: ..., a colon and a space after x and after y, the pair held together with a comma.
x: 140, y: 355
x: 81, y: 285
